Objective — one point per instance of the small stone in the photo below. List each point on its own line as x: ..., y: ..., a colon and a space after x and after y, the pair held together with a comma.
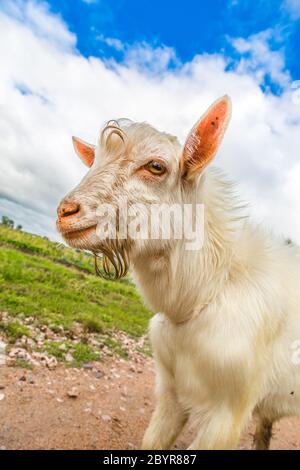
x: 77, y: 330
x: 116, y: 419
x: 40, y: 338
x: 51, y: 363
x: 99, y: 374
x: 73, y: 393
x: 2, y: 396
x: 22, y: 378
x: 48, y: 361
x: 69, y: 357
x: 30, y: 379
x: 19, y: 353
x: 106, y: 418
x: 88, y: 366
x: 2, y: 387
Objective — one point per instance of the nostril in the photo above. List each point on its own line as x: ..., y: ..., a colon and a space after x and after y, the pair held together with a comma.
x: 68, y: 209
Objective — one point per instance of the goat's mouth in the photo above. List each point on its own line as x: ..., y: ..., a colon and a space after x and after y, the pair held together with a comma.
x: 73, y: 234
x: 79, y: 237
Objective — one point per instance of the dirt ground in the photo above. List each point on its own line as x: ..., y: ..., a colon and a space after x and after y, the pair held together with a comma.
x: 104, y: 406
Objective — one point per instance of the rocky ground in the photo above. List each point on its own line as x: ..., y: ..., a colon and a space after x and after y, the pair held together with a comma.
x: 102, y: 405
x: 29, y: 344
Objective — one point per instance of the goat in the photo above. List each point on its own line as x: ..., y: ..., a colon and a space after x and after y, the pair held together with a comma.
x: 226, y: 340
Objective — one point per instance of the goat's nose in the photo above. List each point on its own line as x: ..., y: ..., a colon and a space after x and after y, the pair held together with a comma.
x: 67, y: 209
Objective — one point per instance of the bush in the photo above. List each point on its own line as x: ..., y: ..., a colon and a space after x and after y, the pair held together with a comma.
x: 7, y: 222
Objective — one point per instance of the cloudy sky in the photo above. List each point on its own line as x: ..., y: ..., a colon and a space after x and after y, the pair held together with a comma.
x: 67, y: 67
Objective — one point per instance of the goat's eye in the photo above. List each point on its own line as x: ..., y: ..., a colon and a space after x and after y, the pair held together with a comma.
x: 156, y: 168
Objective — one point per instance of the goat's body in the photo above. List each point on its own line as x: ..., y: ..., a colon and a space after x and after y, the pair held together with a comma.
x: 223, y: 343
x: 227, y: 340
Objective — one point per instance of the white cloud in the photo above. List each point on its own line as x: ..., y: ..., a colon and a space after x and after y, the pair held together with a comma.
x: 257, y: 59
x: 151, y: 60
x: 293, y: 8
x: 48, y: 92
x: 36, y: 17
x: 114, y: 43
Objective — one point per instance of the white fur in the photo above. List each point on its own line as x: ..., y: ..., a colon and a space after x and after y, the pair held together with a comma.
x: 233, y: 356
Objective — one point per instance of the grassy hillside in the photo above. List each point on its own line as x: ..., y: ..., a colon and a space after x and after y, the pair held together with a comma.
x: 57, y: 287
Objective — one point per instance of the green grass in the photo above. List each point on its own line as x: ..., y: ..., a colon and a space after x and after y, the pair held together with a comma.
x: 116, y: 346
x: 53, y: 348
x: 23, y: 364
x: 15, y: 330
x: 57, y: 286
x: 82, y: 353
x: 36, y: 245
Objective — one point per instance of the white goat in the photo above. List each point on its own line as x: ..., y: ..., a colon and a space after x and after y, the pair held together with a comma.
x: 224, y: 342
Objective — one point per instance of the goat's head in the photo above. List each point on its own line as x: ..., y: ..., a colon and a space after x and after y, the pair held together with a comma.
x: 135, y: 163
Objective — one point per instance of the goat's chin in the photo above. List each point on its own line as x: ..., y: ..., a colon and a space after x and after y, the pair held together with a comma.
x: 83, y: 239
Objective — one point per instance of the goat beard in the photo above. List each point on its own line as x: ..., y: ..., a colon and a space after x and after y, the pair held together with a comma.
x: 115, y: 259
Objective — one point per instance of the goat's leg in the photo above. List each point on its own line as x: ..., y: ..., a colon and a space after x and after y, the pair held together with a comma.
x: 166, y: 422
x: 263, y: 434
x: 220, y: 429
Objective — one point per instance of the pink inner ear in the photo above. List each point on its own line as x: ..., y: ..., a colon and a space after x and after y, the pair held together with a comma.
x: 85, y: 151
x: 205, y: 138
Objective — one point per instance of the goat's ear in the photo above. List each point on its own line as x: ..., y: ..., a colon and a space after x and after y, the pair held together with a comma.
x: 205, y: 137
x: 84, y: 150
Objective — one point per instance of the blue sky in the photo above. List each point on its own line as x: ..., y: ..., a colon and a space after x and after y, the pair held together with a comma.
x: 191, y: 27
x: 73, y: 65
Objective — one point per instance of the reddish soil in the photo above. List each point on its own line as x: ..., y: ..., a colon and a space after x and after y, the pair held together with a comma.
x: 109, y: 411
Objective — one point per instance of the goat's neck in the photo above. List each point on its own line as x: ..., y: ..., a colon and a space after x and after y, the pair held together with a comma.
x: 182, y: 283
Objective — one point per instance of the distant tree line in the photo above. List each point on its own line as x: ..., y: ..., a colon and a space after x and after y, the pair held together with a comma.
x: 7, y: 222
